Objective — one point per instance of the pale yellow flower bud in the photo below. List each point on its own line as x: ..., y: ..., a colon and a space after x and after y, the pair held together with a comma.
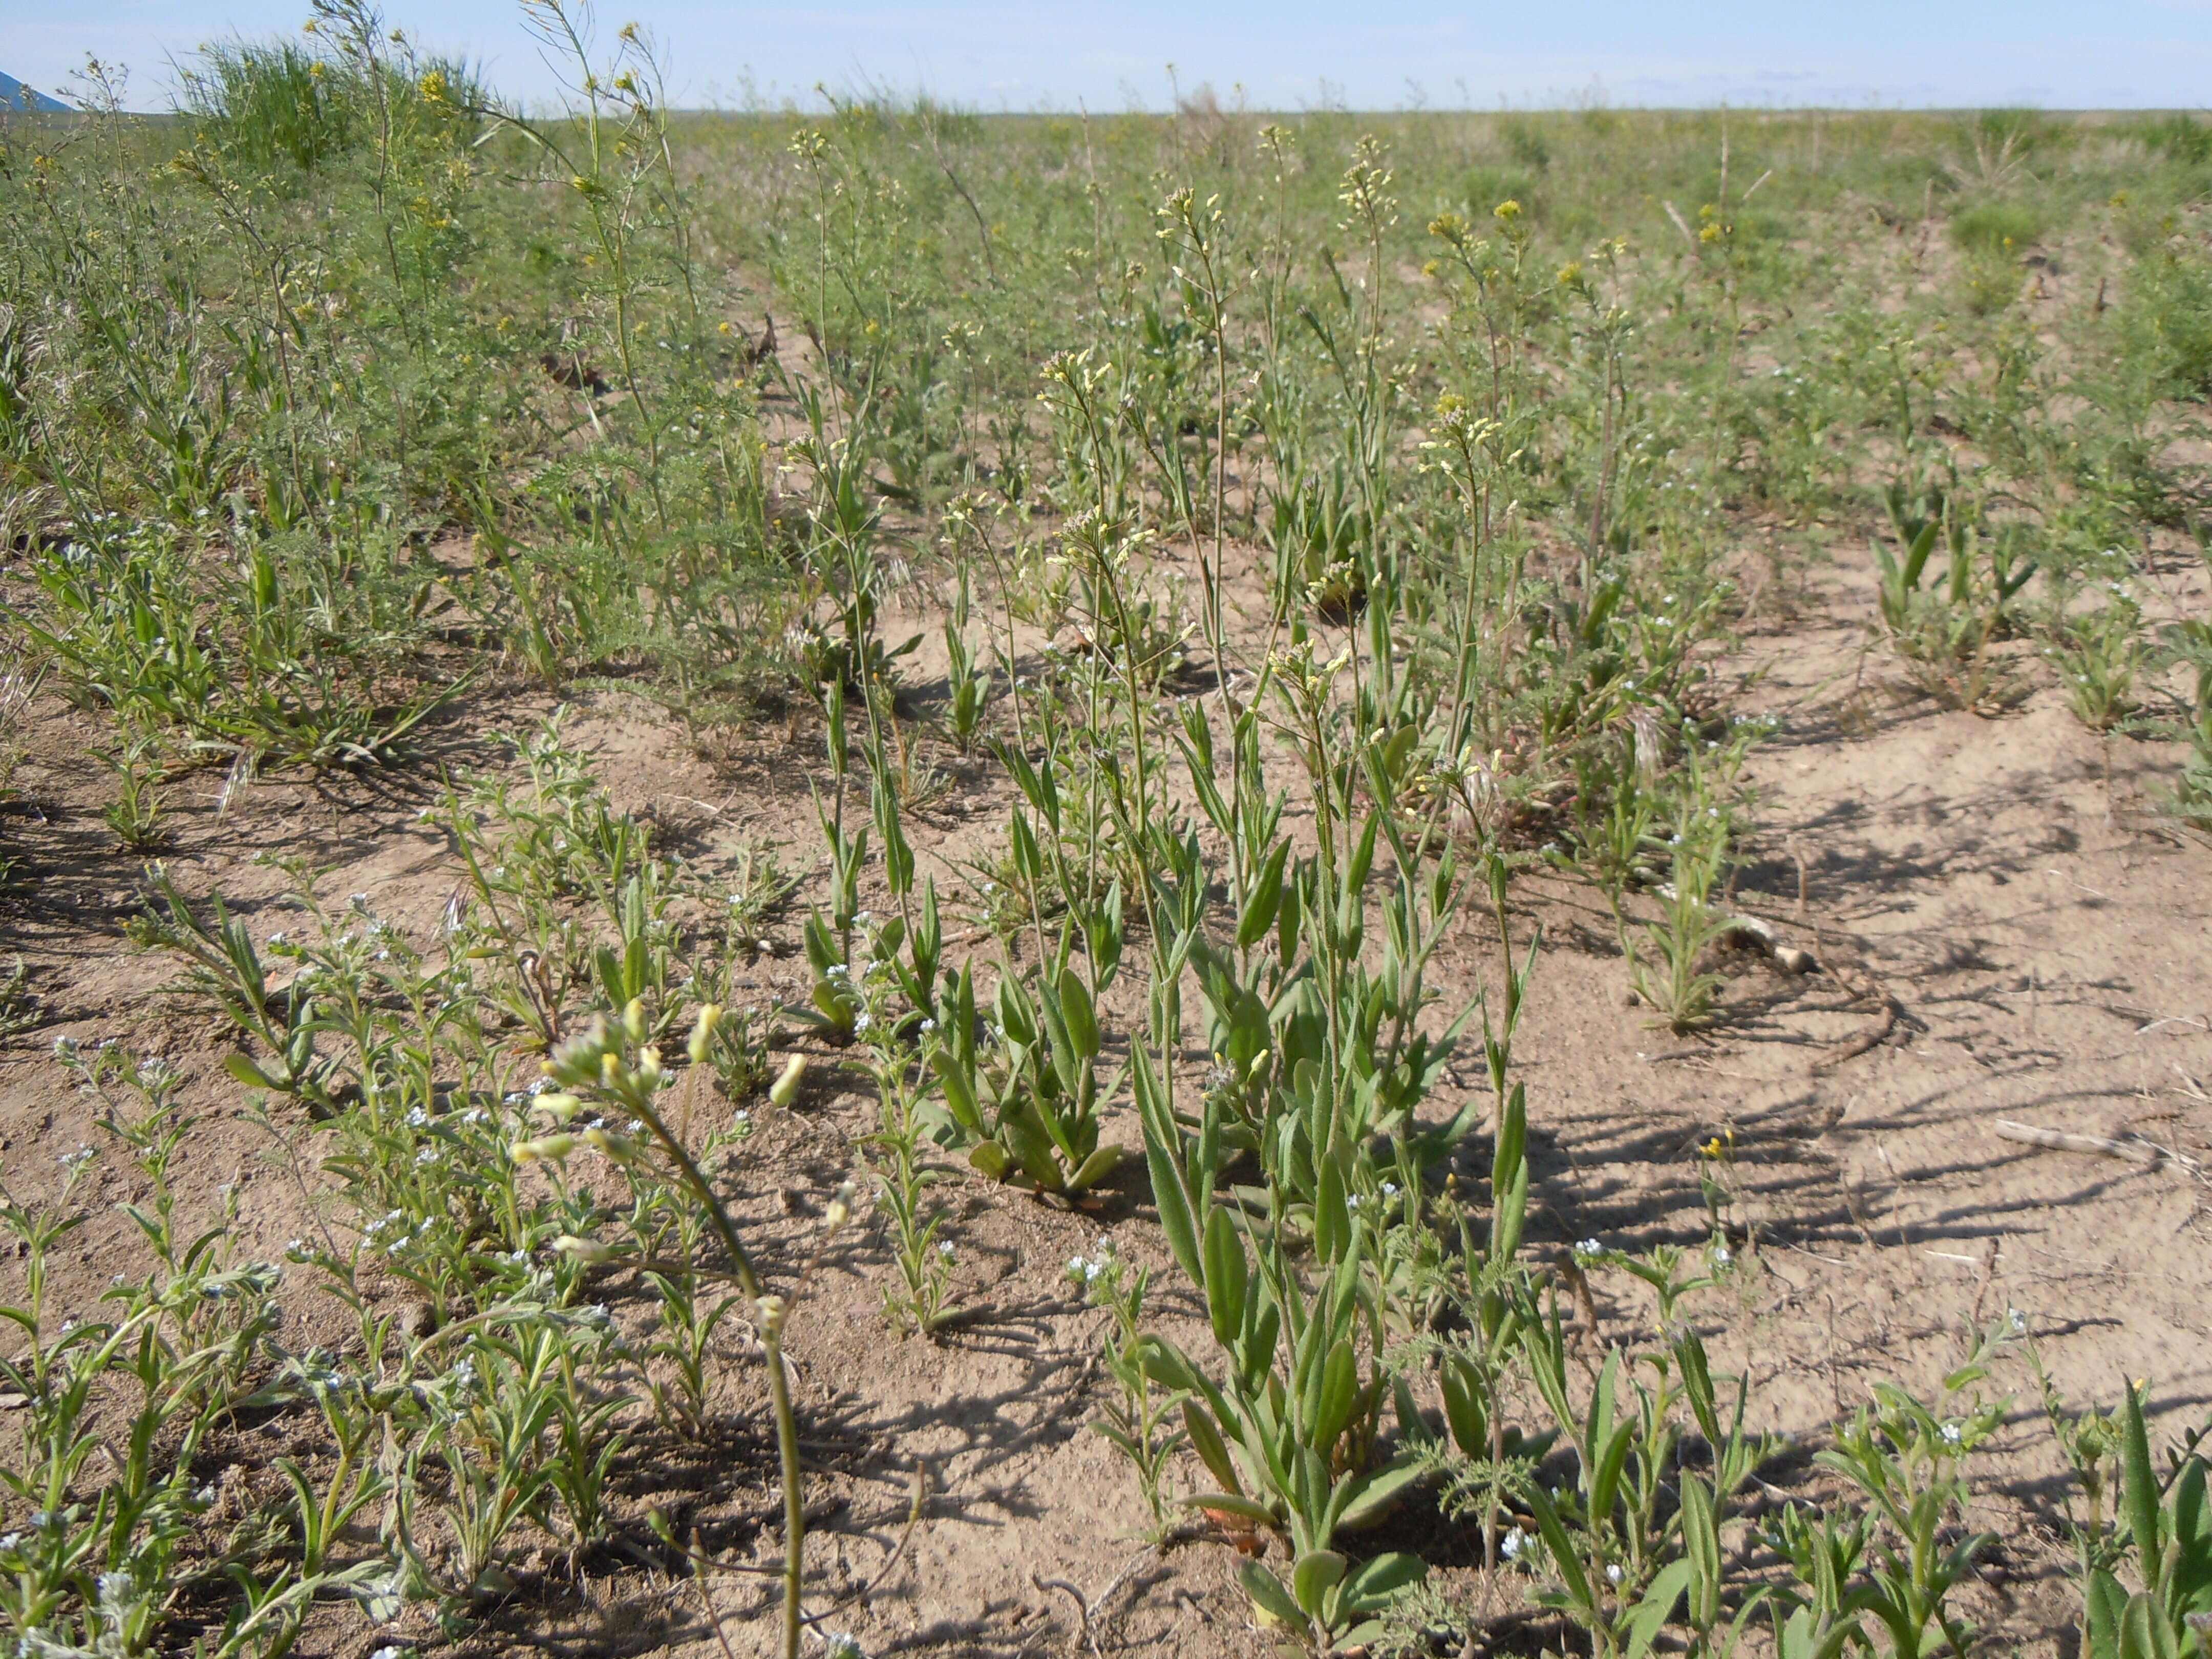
x: 612, y: 1144
x: 771, y: 1311
x: 784, y: 1089
x: 702, y: 1033
x: 554, y: 1147
x: 559, y: 1107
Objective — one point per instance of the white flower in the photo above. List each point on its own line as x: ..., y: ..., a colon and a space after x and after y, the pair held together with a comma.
x: 1722, y: 1255
x: 1513, y: 1543
x: 1589, y: 1247
x: 1952, y: 1434
x: 945, y: 1249
x: 1613, y: 1574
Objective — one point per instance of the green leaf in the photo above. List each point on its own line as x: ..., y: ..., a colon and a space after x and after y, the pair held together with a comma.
x: 1564, y: 1561
x: 1096, y: 1168
x: 959, y: 1096
x: 1164, y: 1363
x: 1697, y: 1383
x: 1805, y: 1637
x: 1266, y: 899
x: 2145, y: 1632
x: 1274, y: 1604
x: 1340, y: 1391
x: 1331, y: 1214
x: 1701, y: 1551
x: 1227, y: 1276
x: 1378, y: 1583
x: 2139, y: 1488
x: 1605, y: 1481
x: 990, y: 1160
x: 2189, y: 1580
x: 2104, y: 1604
x: 1509, y: 1177
x: 1915, y: 556
x: 1081, y: 1018
x: 1464, y: 1406
x: 1205, y: 1440
x: 1162, y: 1148
x: 1313, y: 1575
x: 242, y: 1068
x: 1658, y: 1603
x: 1374, y: 1495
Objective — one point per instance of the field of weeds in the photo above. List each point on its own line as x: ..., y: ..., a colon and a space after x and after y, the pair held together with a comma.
x: 886, y: 881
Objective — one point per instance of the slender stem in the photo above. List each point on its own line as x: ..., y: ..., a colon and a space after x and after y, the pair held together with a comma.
x: 794, y: 1496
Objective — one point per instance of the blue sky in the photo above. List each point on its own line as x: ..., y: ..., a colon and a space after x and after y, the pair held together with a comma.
x: 1368, y: 54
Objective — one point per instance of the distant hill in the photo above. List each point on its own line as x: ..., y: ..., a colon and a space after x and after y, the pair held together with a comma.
x: 16, y: 96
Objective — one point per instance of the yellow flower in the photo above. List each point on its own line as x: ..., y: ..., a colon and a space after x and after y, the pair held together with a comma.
x: 1506, y: 211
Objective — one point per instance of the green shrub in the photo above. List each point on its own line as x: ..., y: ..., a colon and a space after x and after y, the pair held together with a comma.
x: 1997, y: 227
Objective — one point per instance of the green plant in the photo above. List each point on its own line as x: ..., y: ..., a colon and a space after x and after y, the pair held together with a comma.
x: 968, y: 682
x: 2191, y: 798
x: 2167, y: 1527
x: 922, y: 1300
x: 615, y: 1062
x: 2097, y: 654
x: 1944, y: 633
x: 1624, y: 1561
x: 1142, y: 1423
x: 136, y: 817
x: 1904, y: 1461
x: 1681, y: 985
x: 1287, y: 1433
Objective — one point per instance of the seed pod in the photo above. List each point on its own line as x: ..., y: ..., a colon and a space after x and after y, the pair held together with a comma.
x: 589, y: 1251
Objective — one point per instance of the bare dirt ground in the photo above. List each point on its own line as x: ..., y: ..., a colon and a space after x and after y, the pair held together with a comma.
x: 2003, y: 929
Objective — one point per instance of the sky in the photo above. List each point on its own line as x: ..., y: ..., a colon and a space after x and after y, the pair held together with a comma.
x: 1293, y: 54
